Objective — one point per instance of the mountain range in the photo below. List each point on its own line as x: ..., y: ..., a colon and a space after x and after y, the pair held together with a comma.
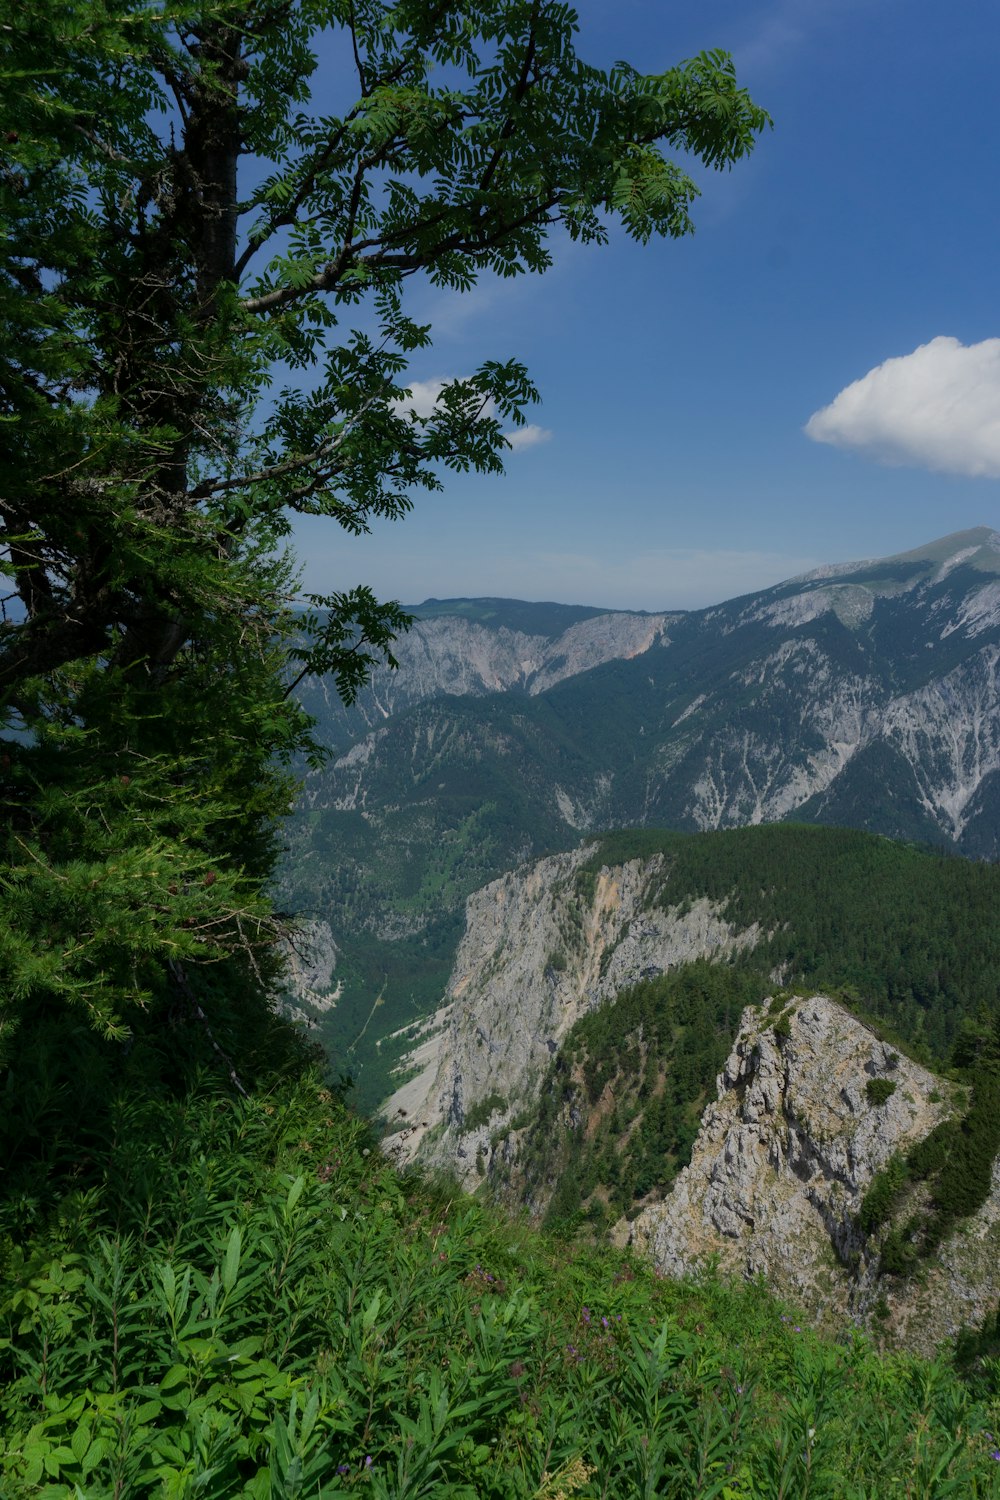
x: 862, y: 694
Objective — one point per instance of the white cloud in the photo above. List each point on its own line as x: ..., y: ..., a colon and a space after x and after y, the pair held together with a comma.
x: 937, y: 408
x: 528, y: 436
x: 424, y: 395
x: 423, y: 398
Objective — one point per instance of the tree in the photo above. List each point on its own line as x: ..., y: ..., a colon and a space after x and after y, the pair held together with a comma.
x: 203, y: 269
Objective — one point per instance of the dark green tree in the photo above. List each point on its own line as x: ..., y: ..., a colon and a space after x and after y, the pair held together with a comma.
x: 204, y: 255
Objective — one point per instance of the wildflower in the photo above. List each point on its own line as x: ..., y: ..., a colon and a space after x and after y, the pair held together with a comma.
x: 604, y: 1323
x: 368, y: 1461
x: 585, y: 1314
x: 996, y: 1455
x: 343, y: 1468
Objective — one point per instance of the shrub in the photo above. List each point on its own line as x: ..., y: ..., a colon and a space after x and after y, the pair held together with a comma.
x: 883, y: 1192
x: 878, y: 1090
x: 482, y: 1110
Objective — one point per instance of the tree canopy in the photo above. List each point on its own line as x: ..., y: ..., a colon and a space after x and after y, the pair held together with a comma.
x: 206, y: 236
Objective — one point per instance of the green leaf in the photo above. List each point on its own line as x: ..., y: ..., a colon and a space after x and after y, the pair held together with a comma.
x: 231, y: 1263
x: 294, y: 1194
x: 371, y: 1311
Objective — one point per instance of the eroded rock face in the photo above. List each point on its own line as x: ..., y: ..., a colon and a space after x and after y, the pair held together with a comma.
x: 312, y: 961
x: 463, y: 658
x: 537, y: 954
x: 780, y: 1167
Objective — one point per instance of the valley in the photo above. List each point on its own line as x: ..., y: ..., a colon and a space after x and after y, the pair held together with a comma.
x: 863, y: 695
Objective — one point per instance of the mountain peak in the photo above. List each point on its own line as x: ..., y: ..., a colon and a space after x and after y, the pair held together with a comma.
x: 978, y: 547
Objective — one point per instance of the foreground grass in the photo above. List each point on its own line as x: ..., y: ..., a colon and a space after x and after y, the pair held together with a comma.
x: 248, y: 1300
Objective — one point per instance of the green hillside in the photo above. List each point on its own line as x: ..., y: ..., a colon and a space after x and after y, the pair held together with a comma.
x: 209, y: 1295
x: 911, y: 932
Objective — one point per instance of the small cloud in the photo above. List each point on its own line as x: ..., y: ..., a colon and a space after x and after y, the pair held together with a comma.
x: 424, y: 396
x: 937, y: 408
x: 528, y: 436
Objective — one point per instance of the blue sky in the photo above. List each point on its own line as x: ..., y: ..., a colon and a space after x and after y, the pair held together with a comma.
x: 678, y: 377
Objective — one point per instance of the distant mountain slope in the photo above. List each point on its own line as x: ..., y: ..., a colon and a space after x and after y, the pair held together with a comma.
x: 865, y: 694
x: 475, y: 647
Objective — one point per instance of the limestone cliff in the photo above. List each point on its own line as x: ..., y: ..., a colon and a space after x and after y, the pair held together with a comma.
x: 781, y: 1165
x: 541, y: 947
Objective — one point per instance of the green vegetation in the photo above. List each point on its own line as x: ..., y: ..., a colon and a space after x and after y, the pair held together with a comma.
x: 910, y: 930
x: 204, y: 1294
x: 622, y: 1102
x: 952, y: 1168
x: 480, y: 1113
x: 878, y: 1090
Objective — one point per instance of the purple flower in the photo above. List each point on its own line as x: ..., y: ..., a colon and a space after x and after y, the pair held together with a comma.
x: 343, y: 1468
x: 585, y: 1314
x: 368, y: 1461
x: 604, y: 1322
x: 996, y: 1455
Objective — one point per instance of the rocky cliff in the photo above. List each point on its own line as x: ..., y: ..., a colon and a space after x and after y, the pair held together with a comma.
x: 578, y: 1040
x: 542, y: 946
x: 451, y: 654
x: 781, y: 1166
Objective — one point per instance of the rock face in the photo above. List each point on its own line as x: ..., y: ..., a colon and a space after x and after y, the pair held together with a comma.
x: 540, y: 949
x: 449, y: 654
x: 312, y: 960
x: 780, y: 1167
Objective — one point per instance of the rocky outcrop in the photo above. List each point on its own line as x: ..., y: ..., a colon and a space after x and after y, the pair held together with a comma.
x: 542, y: 946
x: 311, y: 987
x: 781, y: 1165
